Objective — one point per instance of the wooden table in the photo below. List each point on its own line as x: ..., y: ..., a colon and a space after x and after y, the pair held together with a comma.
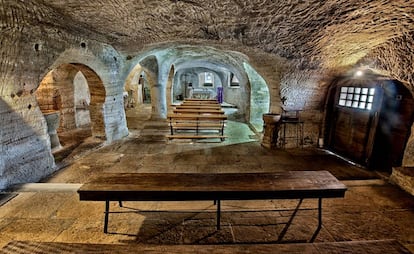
x: 216, y: 187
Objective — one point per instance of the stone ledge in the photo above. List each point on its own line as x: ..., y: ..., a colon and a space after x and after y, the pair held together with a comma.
x: 45, y: 187
x: 403, y: 177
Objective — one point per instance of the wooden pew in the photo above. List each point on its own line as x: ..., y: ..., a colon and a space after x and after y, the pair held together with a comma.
x: 388, y: 246
x: 227, y: 186
x: 198, y: 111
x: 201, y: 126
x: 210, y: 106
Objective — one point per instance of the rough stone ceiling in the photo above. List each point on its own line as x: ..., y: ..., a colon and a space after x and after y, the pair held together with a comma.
x: 334, y: 33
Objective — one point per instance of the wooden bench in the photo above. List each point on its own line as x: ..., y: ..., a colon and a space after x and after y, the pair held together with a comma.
x: 198, y: 111
x: 230, y: 186
x: 360, y: 247
x: 198, y: 104
x: 209, y: 107
x: 201, y: 126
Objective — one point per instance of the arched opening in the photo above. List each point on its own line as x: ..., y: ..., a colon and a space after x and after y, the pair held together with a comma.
x: 184, y: 72
x: 259, y: 98
x: 82, y: 101
x: 243, y: 93
x: 196, y: 82
x: 369, y: 120
x: 137, y: 89
x: 138, y: 86
x: 71, y: 98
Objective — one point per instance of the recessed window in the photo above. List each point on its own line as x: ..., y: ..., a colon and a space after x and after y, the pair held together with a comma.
x: 234, y: 81
x: 206, y: 79
x: 356, y: 97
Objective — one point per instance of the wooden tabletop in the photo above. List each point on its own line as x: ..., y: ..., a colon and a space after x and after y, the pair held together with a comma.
x: 229, y: 186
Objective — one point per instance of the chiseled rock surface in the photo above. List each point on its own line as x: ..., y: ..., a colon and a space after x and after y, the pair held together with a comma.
x: 293, y: 44
x: 403, y: 177
x: 334, y: 32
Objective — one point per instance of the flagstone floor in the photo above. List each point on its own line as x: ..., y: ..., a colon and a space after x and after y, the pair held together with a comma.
x: 373, y: 208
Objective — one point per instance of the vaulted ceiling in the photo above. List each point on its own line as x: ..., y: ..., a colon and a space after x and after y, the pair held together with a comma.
x: 319, y: 33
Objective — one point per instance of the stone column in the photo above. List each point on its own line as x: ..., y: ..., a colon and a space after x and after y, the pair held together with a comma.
x: 158, y: 102
x: 53, y: 120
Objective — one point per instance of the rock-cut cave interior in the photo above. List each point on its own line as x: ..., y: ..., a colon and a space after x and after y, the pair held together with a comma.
x: 94, y: 88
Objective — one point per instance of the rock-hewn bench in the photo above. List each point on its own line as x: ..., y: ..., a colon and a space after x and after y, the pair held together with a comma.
x: 196, y: 126
x: 357, y: 247
x: 217, y: 187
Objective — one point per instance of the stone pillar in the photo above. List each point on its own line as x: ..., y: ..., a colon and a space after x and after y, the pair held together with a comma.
x: 96, y: 111
x: 270, y: 130
x: 158, y: 102
x: 53, y: 120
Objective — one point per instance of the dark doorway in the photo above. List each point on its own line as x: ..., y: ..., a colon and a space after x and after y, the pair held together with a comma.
x: 394, y: 125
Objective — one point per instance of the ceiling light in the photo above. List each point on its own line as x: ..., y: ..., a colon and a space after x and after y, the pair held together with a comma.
x: 359, y: 73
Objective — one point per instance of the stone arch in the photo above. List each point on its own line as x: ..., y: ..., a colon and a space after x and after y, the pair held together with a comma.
x: 187, y: 75
x: 148, y: 64
x: 131, y: 84
x: 82, y: 101
x: 252, y: 97
x: 112, y: 124
x: 98, y: 95
x: 160, y: 59
x: 59, y: 84
x: 259, y: 97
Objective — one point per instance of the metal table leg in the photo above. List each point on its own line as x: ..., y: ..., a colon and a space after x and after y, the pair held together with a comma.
x: 106, y: 216
x: 171, y: 126
x: 218, y: 214
x: 319, y: 221
x: 319, y: 213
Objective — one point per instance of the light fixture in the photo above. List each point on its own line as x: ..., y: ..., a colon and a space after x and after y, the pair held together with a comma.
x: 359, y: 73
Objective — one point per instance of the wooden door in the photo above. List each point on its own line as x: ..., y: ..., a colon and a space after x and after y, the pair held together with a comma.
x: 352, y: 121
x: 369, y: 121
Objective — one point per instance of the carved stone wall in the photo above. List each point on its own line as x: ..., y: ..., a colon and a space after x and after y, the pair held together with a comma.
x: 293, y: 45
x: 29, y: 51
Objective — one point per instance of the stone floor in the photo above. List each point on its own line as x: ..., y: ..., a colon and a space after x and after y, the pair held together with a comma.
x: 51, y: 211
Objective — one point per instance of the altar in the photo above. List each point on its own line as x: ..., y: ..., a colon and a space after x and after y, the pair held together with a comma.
x: 203, y: 94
